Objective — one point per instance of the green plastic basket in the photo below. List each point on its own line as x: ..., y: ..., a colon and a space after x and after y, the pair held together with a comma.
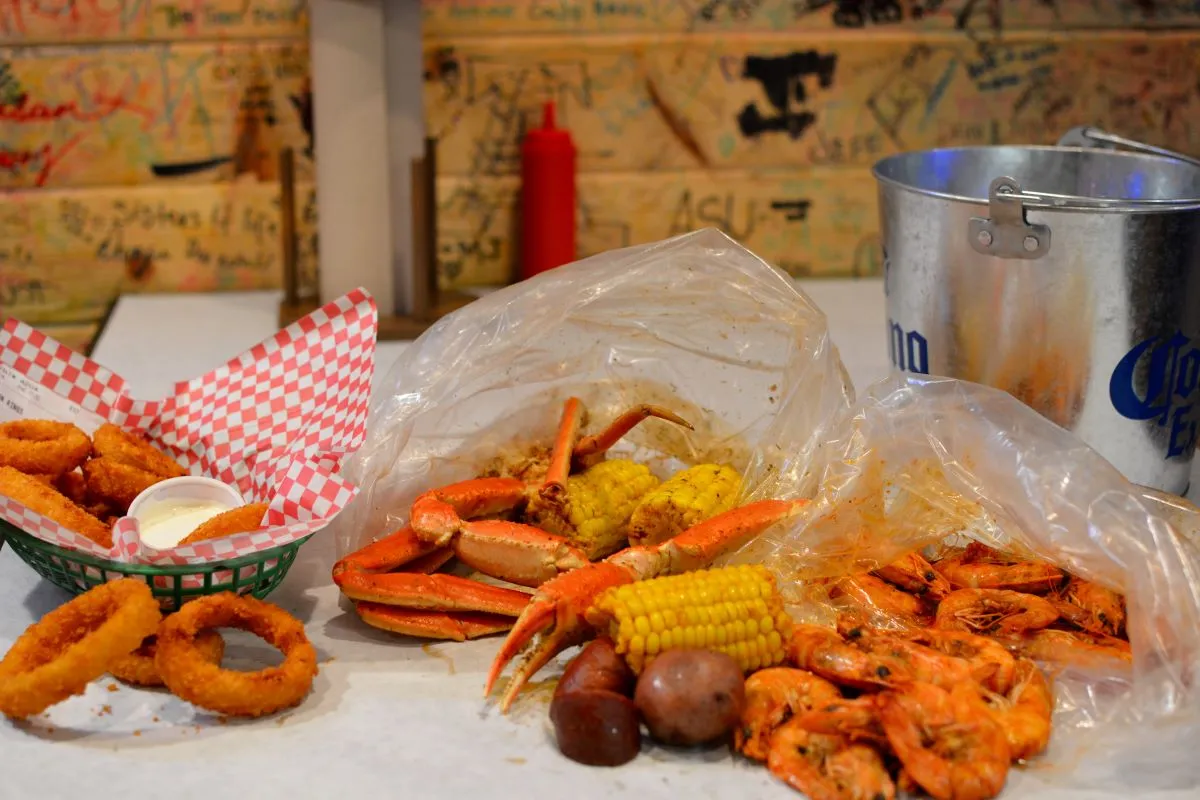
x: 173, y: 585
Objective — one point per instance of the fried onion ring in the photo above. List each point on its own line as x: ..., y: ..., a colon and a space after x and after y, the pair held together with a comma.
x: 114, y: 443
x: 138, y: 668
x: 116, y: 483
x: 58, y: 656
x: 45, y: 500
x: 236, y: 520
x: 43, y: 447
x: 73, y: 486
x: 245, y: 694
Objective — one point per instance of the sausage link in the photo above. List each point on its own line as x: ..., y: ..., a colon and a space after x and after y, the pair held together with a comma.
x: 598, y: 667
x: 596, y: 727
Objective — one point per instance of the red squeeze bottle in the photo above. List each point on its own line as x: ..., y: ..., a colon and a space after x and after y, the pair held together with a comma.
x: 547, y: 197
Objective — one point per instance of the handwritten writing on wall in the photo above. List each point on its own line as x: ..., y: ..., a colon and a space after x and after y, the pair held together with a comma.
x: 30, y: 22
x: 64, y: 255
x: 452, y: 18
x: 742, y: 102
x: 815, y: 222
x: 141, y: 114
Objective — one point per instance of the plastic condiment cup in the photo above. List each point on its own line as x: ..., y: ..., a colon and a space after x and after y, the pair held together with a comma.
x: 187, y: 488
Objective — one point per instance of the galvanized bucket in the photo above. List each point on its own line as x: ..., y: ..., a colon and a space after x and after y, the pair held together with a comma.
x: 1068, y: 276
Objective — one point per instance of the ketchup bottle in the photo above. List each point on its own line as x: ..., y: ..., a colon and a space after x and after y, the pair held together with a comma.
x: 547, y: 197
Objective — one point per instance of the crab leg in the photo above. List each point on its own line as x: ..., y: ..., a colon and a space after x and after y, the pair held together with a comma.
x: 458, y: 626
x: 437, y: 515
x: 511, y: 551
x: 591, y: 449
x: 554, y: 620
x: 363, y: 576
x: 517, y: 553
x: 564, y: 446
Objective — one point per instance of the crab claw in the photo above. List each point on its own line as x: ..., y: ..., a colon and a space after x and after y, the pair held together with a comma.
x: 553, y: 621
x: 437, y: 515
x: 555, y: 618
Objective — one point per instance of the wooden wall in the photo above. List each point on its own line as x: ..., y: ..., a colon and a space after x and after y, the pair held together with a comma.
x: 763, y: 117
x: 139, y: 144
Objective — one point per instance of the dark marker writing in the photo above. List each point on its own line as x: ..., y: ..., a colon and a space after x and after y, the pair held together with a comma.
x: 782, y: 79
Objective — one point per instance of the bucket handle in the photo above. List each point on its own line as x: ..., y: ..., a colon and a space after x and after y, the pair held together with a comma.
x: 1091, y: 136
x: 1006, y: 233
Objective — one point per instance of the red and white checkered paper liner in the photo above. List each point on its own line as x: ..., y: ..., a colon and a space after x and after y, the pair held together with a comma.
x: 275, y: 422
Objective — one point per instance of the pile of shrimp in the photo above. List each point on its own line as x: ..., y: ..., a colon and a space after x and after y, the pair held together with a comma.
x: 933, y: 681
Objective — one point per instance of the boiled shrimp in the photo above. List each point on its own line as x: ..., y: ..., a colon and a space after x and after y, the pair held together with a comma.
x: 921, y: 663
x: 947, y: 741
x: 1070, y: 647
x: 993, y: 610
x: 824, y: 652
x: 1024, y: 712
x: 913, y: 573
x: 857, y: 720
x: 981, y: 567
x: 773, y: 695
x: 1090, y: 606
x: 828, y: 767
x: 880, y: 602
x: 991, y: 665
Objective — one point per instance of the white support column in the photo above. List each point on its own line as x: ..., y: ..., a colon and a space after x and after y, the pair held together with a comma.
x: 350, y: 126
x: 404, y: 67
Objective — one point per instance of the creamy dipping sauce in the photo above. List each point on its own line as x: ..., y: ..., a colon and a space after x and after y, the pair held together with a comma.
x: 164, y: 525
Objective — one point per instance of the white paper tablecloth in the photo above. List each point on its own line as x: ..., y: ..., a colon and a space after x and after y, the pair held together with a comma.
x: 388, y: 718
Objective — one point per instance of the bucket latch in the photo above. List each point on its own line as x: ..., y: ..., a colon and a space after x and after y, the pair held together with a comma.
x: 1007, y: 234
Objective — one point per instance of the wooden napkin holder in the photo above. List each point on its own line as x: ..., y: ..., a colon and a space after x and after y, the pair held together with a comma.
x: 429, y: 303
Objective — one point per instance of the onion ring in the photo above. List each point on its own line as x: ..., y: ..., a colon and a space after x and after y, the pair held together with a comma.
x: 43, y: 447
x: 246, y: 694
x: 117, y: 483
x: 58, y: 656
x: 138, y: 667
x: 72, y: 486
x: 50, y: 503
x: 114, y: 443
x: 236, y: 520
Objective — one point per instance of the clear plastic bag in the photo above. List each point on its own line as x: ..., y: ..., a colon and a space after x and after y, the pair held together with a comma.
x: 696, y: 323
x: 702, y: 326
x: 918, y: 460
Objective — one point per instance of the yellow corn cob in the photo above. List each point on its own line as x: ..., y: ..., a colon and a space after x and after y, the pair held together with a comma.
x: 595, y: 511
x: 735, y: 610
x: 687, y: 498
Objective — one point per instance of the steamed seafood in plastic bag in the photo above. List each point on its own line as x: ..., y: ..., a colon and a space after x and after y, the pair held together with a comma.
x: 948, y: 508
x: 696, y: 325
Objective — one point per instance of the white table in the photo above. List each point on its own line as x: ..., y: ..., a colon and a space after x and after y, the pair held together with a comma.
x: 388, y: 718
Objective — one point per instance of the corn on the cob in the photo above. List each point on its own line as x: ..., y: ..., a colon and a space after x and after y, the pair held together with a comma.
x: 687, y: 498
x: 734, y: 610
x: 594, y: 513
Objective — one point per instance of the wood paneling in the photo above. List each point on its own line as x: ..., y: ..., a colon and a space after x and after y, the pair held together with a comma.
x: 446, y: 18
x: 28, y: 22
x: 809, y: 222
x: 164, y: 113
x: 64, y: 255
x: 719, y: 102
x: 77, y: 337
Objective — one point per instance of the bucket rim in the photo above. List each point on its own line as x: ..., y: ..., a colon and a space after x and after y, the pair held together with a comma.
x: 1076, y: 203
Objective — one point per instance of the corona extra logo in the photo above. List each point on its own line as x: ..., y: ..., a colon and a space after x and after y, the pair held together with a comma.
x: 909, y: 349
x: 1157, y: 380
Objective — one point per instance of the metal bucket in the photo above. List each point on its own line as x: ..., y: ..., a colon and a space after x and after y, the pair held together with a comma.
x: 1067, y: 276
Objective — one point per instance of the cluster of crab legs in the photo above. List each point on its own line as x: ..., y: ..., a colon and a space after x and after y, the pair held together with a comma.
x: 395, y: 585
